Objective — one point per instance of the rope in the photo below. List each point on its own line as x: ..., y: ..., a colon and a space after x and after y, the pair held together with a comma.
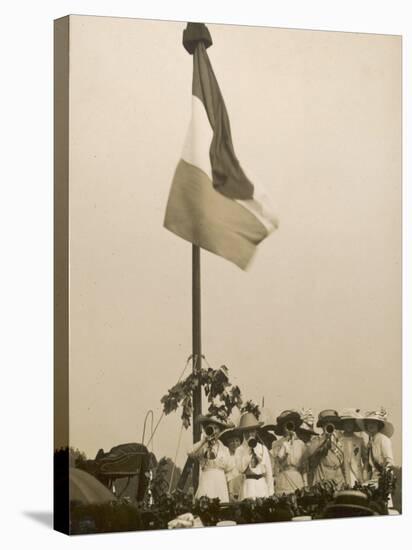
x: 151, y: 430
x: 151, y: 425
x: 195, y: 358
x: 174, y: 462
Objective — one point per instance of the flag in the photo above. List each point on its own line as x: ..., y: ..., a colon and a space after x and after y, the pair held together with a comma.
x: 212, y: 203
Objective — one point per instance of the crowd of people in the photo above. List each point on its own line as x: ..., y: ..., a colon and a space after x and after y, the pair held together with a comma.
x: 254, y: 459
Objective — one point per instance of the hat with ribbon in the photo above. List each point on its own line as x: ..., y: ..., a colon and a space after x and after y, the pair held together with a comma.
x: 380, y: 416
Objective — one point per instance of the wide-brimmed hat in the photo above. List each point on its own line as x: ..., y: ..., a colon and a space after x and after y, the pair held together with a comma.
x: 267, y: 434
x: 350, y: 414
x: 229, y: 434
x: 306, y: 428
x: 328, y: 416
x: 248, y: 421
x: 349, y: 503
x: 284, y: 418
x: 210, y: 419
x: 380, y: 417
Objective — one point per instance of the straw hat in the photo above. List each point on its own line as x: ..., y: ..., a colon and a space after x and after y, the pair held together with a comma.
x: 210, y: 419
x: 328, y: 416
x: 248, y: 421
x: 380, y: 417
x: 350, y: 414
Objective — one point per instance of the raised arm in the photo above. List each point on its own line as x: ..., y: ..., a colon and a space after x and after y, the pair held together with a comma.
x: 197, y: 448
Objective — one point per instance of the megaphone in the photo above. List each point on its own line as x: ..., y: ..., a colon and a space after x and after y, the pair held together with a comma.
x: 210, y: 430
x: 252, y: 442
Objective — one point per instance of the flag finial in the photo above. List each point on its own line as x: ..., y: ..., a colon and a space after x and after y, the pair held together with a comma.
x: 195, y: 33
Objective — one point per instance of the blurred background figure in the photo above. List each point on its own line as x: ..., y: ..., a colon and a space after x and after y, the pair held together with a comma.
x: 233, y: 439
x: 354, y: 448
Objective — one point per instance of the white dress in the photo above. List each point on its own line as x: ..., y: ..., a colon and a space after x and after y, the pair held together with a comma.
x: 234, y: 483
x: 212, y: 475
x: 257, y: 479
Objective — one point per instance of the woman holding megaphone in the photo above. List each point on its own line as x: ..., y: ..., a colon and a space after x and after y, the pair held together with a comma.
x: 214, y: 459
x: 326, y: 450
x: 253, y: 461
x: 289, y: 453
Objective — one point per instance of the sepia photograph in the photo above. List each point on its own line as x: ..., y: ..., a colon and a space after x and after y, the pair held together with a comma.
x: 227, y: 274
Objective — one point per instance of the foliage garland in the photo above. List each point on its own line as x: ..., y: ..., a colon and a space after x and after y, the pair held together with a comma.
x: 123, y: 516
x: 221, y: 394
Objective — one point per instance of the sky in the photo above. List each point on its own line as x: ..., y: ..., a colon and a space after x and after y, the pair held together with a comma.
x: 316, y: 320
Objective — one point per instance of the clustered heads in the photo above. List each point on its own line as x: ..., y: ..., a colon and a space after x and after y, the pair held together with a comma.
x: 254, y: 459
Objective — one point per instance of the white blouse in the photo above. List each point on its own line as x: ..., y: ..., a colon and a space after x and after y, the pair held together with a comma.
x: 222, y: 461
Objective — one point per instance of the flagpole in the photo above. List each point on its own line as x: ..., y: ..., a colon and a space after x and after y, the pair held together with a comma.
x: 197, y: 348
x: 192, y: 35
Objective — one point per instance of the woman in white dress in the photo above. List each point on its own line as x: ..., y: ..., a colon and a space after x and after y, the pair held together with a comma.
x: 289, y: 453
x: 214, y: 459
x: 233, y: 439
x: 253, y: 461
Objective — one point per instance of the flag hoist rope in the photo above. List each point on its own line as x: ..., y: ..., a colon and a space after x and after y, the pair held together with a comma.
x: 195, y: 359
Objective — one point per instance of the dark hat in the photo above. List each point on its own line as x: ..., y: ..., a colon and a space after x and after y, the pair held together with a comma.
x: 306, y: 429
x: 284, y: 418
x: 348, y: 504
x: 227, y: 435
x: 328, y: 416
x: 266, y: 433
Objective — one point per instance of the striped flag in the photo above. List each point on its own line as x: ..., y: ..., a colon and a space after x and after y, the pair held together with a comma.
x: 212, y: 203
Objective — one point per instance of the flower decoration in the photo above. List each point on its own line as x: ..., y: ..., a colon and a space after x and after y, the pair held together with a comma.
x: 307, y: 416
